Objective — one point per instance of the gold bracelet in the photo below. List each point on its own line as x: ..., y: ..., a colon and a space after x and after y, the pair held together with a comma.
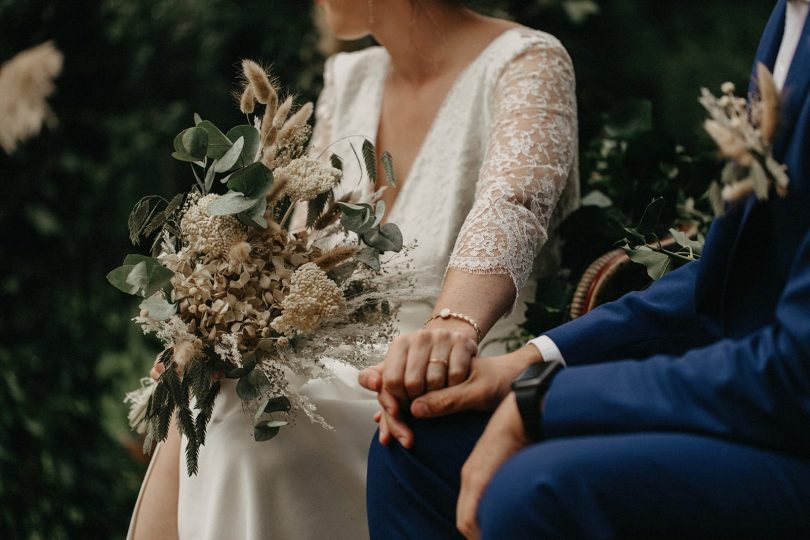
x: 447, y: 314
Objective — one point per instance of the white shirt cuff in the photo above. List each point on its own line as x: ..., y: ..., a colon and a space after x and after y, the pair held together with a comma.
x: 548, y: 349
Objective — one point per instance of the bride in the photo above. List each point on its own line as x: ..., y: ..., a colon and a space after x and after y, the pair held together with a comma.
x: 480, y: 116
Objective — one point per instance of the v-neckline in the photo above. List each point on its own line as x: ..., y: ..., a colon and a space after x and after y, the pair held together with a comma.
x: 380, y: 90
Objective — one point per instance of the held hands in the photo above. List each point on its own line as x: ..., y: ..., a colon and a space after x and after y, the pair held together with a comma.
x: 419, y: 362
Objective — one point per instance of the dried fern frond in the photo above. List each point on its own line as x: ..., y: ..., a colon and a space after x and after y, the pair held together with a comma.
x: 26, y: 81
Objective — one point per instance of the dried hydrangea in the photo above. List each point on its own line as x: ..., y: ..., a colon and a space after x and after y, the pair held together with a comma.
x: 312, y: 300
x: 307, y: 178
x: 210, y: 235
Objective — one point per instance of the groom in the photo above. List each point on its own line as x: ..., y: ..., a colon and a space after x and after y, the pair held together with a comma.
x: 679, y: 412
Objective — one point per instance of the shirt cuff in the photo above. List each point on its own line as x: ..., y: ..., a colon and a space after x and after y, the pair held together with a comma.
x: 548, y: 349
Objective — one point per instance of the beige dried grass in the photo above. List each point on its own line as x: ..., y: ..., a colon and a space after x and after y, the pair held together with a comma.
x: 26, y: 81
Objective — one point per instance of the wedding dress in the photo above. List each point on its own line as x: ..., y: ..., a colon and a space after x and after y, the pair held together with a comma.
x: 496, y: 172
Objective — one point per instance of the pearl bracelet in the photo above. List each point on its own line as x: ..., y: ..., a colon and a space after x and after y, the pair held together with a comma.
x: 447, y: 314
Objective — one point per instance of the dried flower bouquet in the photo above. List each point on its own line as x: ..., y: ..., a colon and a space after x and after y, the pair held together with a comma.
x: 233, y: 292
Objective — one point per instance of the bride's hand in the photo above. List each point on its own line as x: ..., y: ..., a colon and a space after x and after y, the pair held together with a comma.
x: 419, y: 362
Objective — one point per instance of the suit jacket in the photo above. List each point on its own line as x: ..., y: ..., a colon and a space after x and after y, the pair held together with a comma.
x: 720, y: 346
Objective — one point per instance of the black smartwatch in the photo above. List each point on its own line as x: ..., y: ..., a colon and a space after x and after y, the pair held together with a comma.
x: 530, y: 388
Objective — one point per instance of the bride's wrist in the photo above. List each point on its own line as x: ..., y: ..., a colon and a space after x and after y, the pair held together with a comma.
x: 453, y: 325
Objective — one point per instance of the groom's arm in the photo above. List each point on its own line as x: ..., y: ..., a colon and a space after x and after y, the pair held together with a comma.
x: 755, y: 389
x: 662, y: 317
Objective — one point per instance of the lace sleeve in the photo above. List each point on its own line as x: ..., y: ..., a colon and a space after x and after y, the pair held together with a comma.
x: 529, y: 158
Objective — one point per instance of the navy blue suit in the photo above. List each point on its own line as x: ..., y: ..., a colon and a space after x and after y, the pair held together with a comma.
x: 685, y: 411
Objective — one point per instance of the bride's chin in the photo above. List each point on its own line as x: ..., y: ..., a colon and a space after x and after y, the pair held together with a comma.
x: 345, y: 18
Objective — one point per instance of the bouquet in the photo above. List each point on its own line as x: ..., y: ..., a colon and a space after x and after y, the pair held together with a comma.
x: 744, y: 135
x: 232, y: 291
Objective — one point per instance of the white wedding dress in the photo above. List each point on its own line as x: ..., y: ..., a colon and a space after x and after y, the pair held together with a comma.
x: 495, y: 173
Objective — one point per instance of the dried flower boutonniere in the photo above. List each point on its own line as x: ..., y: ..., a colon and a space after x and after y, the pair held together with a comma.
x: 745, y: 137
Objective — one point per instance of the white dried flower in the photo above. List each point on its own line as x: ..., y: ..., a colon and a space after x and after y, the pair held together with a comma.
x: 210, y: 235
x: 307, y: 178
x: 312, y: 300
x: 728, y: 87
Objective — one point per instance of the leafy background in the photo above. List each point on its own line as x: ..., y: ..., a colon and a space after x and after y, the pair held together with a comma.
x: 135, y: 72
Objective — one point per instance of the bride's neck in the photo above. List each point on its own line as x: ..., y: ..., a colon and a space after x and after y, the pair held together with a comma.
x: 421, y: 39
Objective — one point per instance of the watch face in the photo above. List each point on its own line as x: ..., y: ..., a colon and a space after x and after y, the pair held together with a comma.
x: 533, y: 375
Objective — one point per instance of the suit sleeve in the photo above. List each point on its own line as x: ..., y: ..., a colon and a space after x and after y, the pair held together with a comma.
x: 755, y: 389
x: 662, y: 317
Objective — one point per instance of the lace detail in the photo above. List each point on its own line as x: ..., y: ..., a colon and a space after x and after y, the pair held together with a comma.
x: 529, y: 160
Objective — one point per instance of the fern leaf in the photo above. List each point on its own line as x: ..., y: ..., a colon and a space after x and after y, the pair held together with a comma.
x: 336, y: 162
x: 388, y: 165
x: 370, y: 158
x: 316, y: 206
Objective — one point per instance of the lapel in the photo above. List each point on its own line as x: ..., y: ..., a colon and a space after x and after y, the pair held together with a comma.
x: 724, y: 236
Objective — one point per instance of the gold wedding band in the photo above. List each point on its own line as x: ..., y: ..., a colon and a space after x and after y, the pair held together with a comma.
x: 445, y: 363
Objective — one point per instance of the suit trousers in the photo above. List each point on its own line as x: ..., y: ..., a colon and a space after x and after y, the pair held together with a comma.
x: 634, y: 485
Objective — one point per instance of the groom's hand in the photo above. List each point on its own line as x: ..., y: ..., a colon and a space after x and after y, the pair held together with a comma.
x: 489, y: 382
x: 503, y: 438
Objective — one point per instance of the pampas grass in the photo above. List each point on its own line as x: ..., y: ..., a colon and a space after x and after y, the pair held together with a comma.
x: 26, y: 81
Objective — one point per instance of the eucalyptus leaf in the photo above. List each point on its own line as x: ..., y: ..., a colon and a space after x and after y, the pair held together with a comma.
x: 250, y: 149
x: 357, y: 218
x: 197, y: 119
x: 218, y: 143
x: 379, y: 213
x: 209, y: 178
x: 140, y: 275
x: 183, y: 156
x: 192, y: 142
x: 254, y: 216
x: 263, y: 432
x: 253, y: 181
x: 385, y: 238
x: 252, y: 385
x: 231, y: 203
x: 239, y: 372
x: 370, y: 257
x: 158, y: 308
x: 276, y: 404
x: 231, y: 157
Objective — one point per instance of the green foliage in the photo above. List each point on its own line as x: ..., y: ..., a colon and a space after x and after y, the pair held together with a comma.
x: 632, y: 173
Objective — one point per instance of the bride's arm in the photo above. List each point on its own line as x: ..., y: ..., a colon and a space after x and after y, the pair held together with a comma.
x: 528, y: 161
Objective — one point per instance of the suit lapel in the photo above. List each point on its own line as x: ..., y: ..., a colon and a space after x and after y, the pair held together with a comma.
x: 724, y: 237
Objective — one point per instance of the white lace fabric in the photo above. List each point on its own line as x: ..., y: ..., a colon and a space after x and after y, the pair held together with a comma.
x: 530, y: 156
x: 498, y: 168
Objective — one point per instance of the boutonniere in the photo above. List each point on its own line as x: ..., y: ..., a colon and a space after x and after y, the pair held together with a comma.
x: 744, y: 136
